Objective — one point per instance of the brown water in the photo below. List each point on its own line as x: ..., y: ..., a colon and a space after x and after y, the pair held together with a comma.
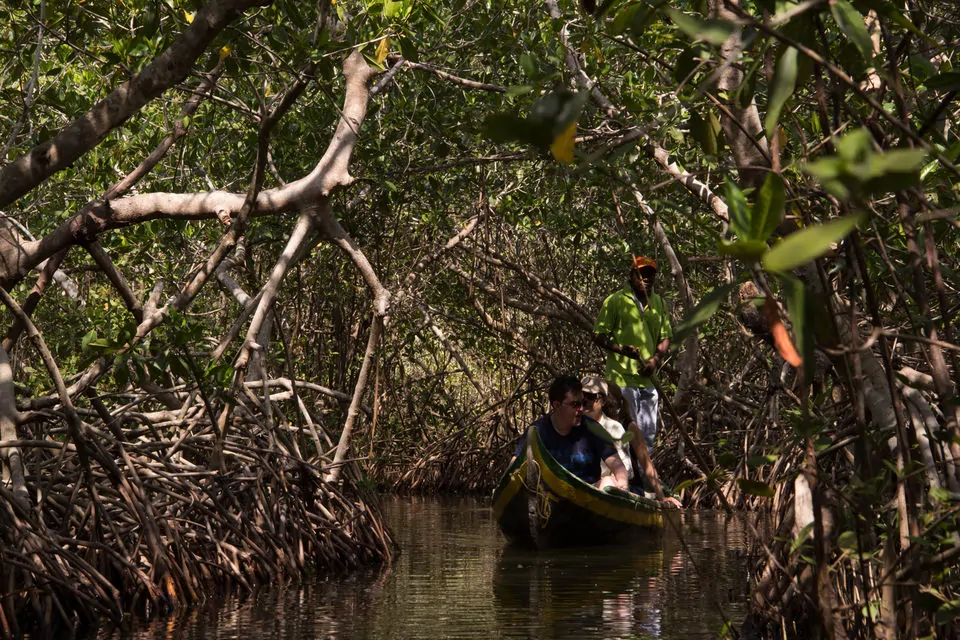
x: 455, y: 578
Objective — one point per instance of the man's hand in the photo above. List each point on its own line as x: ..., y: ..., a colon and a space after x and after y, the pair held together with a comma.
x: 631, y: 351
x: 649, y: 367
x: 671, y: 503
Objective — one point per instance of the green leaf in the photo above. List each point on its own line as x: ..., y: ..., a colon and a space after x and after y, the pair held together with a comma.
x: 801, y: 319
x: 702, y: 312
x: 755, y: 488
x: 851, y: 23
x: 687, y: 484
x: 519, y: 90
x: 829, y: 172
x: 888, y: 10
x: 703, y: 133
x: 529, y: 65
x: 949, y: 81
x: 768, y: 210
x: 89, y: 337
x: 847, y: 541
x: 746, y: 250
x: 179, y: 368
x: 712, y: 31
x: 809, y: 244
x: 759, y: 461
x: 598, y: 430
x: 624, y: 18
x: 505, y: 127
x: 391, y: 8
x: 948, y: 612
x: 408, y: 49
x: 687, y: 61
x: 802, y: 536
x: 737, y: 208
x: 784, y: 83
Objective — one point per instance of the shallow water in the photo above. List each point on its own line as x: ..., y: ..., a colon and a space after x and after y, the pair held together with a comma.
x: 456, y: 578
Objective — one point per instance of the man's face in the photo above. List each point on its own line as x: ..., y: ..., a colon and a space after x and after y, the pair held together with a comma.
x: 643, y: 279
x: 566, y: 414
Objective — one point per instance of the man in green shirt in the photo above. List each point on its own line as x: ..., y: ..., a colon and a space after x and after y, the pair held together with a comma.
x: 634, y: 326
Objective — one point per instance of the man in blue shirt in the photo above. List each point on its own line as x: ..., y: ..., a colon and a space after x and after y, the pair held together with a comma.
x: 565, y: 434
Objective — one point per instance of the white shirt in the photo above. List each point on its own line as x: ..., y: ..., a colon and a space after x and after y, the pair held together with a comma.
x: 616, y: 430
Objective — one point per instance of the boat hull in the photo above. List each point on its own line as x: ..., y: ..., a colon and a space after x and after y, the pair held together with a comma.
x: 540, y: 504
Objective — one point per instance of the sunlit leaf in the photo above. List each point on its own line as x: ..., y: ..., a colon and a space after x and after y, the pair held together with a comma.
x: 809, y: 244
x: 392, y: 8
x: 383, y: 49
x: 784, y: 83
x: 562, y: 145
x: 746, y: 250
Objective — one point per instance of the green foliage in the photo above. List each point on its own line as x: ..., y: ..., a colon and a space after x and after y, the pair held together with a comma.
x: 857, y: 171
x: 784, y: 83
x: 809, y: 244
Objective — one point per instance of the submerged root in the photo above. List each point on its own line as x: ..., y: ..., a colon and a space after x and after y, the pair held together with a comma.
x: 146, y: 526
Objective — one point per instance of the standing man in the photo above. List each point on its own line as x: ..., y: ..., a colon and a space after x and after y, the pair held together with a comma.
x: 634, y: 326
x: 571, y: 442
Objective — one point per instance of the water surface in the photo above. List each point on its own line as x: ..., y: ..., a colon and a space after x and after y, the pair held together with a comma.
x: 456, y: 578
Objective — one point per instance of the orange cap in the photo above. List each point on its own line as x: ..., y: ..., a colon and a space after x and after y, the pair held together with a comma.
x: 643, y: 261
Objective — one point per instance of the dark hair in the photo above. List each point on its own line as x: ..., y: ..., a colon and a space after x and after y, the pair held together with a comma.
x: 561, y: 385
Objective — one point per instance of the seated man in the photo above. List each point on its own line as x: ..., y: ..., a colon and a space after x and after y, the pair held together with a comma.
x: 571, y: 442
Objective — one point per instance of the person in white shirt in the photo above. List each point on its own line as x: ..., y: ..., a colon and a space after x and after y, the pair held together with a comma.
x: 596, y: 398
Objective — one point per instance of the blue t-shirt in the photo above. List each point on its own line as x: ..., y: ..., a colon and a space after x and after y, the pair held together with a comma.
x: 580, y: 451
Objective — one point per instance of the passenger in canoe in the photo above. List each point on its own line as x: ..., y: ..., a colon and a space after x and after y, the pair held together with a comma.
x: 565, y: 435
x: 640, y: 470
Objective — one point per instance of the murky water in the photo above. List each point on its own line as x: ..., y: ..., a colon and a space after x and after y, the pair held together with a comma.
x: 456, y: 579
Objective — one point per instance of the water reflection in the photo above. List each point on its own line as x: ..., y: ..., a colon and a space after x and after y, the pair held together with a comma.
x: 456, y: 579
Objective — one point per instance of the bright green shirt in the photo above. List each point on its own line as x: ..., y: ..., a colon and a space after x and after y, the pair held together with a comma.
x: 621, y: 317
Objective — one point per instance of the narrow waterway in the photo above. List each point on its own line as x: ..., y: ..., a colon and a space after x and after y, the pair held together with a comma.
x: 455, y: 578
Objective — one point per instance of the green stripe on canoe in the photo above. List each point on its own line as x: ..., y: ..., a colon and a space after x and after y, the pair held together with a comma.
x: 632, y: 510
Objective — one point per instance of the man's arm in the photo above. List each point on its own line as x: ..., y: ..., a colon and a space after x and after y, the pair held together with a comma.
x: 646, y: 463
x: 606, y: 341
x: 618, y: 475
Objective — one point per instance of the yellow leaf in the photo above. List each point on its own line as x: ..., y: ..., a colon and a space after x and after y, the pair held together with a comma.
x: 188, y: 16
x: 562, y: 145
x: 382, y: 50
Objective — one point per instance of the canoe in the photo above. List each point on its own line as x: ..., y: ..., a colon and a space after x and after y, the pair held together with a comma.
x: 540, y: 504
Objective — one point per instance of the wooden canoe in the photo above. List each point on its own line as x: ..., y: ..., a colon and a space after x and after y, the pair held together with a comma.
x: 540, y: 504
